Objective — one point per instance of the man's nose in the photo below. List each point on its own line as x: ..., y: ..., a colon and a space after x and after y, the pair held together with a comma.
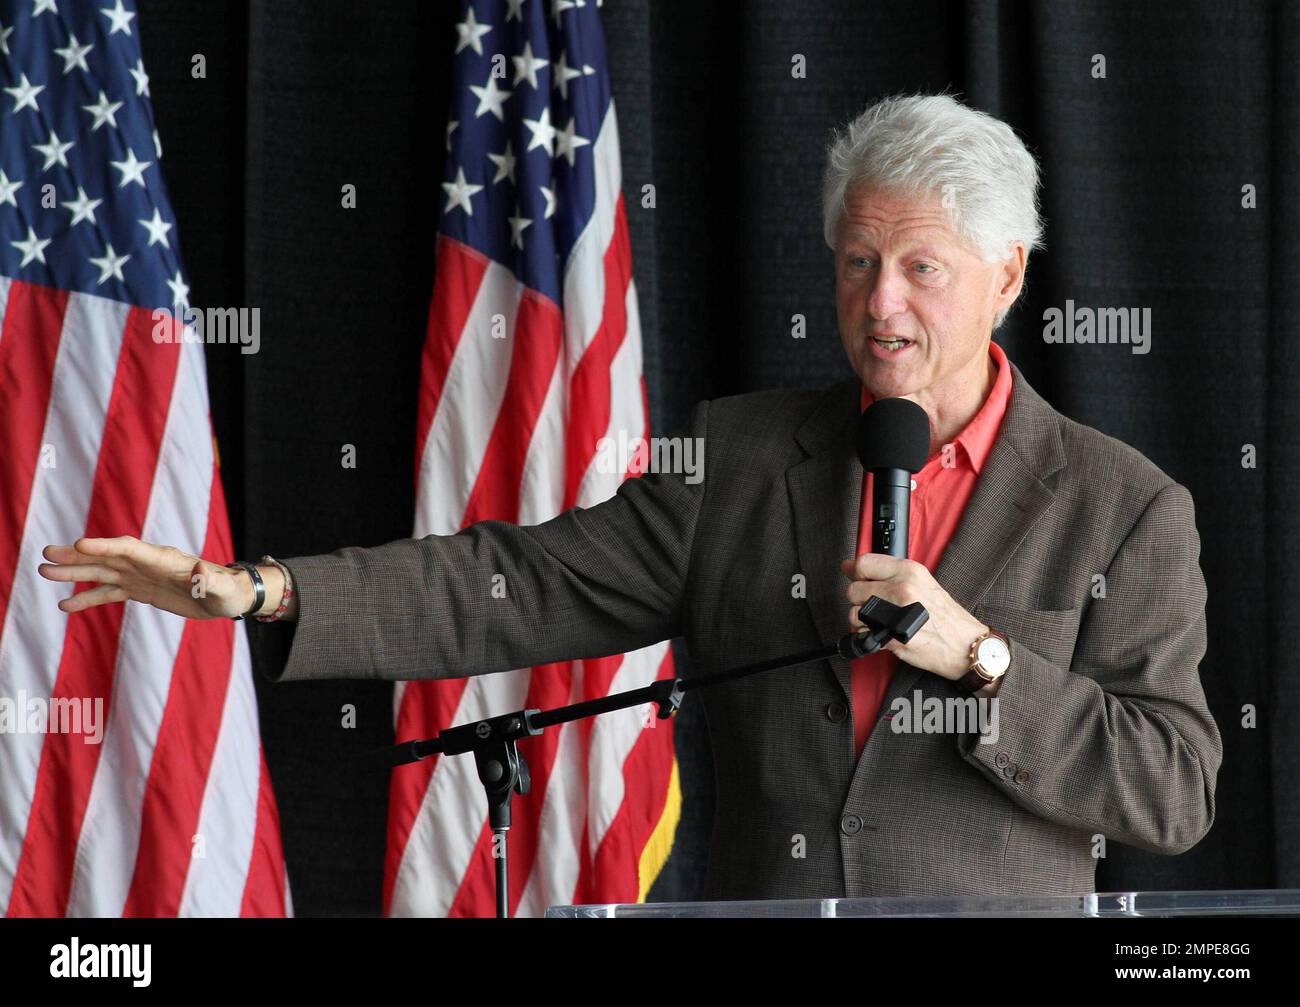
x: 888, y: 294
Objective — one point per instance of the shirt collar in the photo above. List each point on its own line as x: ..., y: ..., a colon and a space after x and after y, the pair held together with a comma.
x: 979, y: 435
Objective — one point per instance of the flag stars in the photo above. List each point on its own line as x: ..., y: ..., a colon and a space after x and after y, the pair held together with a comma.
x: 543, y: 132
x: 119, y: 18
x: 7, y: 190
x: 157, y: 228
x: 141, y: 78
x: 515, y: 11
x: 24, y: 94
x: 42, y: 6
x: 451, y: 128
x: 563, y: 74
x: 104, y: 111
x: 54, y: 152
x: 33, y: 248
x: 470, y: 31
x: 74, y: 56
x: 459, y: 193
x: 548, y: 194
x: 490, y: 99
x: 4, y: 39
x: 110, y: 264
x: 567, y: 142
x: 180, y: 291
x: 132, y: 170
x: 518, y: 225
x: 505, y: 165
x: 526, y: 66
x: 558, y: 8
x: 83, y: 207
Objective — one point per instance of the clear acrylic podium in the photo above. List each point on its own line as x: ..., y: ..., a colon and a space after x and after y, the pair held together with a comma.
x: 1254, y: 902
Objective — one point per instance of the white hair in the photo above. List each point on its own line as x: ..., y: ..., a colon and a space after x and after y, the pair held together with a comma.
x: 922, y: 146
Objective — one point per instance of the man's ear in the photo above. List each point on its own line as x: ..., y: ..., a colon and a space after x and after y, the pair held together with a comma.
x: 1011, y: 276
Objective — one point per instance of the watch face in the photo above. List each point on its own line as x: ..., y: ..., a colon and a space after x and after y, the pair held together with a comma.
x: 993, y: 656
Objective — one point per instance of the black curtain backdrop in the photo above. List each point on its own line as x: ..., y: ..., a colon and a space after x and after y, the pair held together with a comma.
x: 1144, y: 173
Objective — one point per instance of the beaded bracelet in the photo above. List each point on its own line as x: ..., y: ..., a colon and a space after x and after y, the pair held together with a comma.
x: 285, y: 598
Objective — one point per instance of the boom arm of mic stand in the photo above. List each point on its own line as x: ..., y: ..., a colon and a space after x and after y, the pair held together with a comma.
x: 504, y: 772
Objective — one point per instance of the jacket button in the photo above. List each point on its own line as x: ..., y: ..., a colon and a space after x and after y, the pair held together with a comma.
x: 1010, y: 770
x: 1001, y: 759
x: 1022, y: 777
x: 851, y: 825
x: 836, y: 711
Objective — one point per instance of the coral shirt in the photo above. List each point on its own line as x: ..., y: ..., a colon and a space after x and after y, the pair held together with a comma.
x: 939, y: 497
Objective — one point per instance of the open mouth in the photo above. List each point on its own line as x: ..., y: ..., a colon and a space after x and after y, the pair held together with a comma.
x: 892, y: 345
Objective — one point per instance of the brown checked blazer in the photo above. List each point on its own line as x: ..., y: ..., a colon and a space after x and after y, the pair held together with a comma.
x: 1103, y: 724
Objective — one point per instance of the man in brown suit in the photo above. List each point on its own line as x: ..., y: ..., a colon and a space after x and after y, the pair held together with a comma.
x: 1073, y: 549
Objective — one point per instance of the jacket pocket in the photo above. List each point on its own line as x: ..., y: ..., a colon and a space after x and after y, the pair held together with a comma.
x: 1049, y: 633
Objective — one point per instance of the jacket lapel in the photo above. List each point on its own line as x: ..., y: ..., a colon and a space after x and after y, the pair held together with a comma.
x: 826, y: 495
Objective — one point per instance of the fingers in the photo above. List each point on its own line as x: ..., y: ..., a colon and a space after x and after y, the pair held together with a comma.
x: 63, y: 554
x: 121, y: 547
x: 69, y: 564
x: 71, y: 554
x: 875, y: 566
x: 105, y: 594
x: 78, y: 573
x: 894, y: 592
x: 125, y: 553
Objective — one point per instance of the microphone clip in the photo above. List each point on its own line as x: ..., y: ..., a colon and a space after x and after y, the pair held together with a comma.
x: 885, y: 621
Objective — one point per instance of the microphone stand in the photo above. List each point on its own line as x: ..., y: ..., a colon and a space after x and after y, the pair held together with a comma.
x: 503, y: 771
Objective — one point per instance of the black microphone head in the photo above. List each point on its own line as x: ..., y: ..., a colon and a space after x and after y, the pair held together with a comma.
x: 894, y: 434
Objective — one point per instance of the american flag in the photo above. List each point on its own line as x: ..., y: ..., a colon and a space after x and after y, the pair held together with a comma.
x: 533, y: 355
x: 104, y: 411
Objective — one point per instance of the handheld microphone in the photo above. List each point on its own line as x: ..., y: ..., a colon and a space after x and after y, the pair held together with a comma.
x: 893, y: 443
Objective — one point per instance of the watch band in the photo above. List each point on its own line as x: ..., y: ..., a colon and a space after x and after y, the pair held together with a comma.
x: 259, y: 586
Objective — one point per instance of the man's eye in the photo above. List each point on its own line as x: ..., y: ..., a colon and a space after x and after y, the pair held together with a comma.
x: 861, y: 261
x: 924, y: 267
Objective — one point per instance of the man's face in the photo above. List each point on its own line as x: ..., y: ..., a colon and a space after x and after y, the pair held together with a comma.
x: 902, y: 273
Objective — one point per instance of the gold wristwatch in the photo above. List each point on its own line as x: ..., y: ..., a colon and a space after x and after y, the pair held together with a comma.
x: 990, y: 657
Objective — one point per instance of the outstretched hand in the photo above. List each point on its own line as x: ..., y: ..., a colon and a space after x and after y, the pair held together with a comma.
x: 126, y: 569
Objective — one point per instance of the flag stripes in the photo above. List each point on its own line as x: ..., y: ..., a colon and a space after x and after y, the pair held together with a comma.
x: 532, y: 356
x: 160, y: 804
x: 172, y: 811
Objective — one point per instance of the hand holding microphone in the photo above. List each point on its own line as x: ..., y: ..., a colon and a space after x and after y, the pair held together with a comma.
x: 893, y: 443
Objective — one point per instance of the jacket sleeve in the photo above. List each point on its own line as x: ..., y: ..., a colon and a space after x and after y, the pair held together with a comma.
x: 601, y: 580
x: 1122, y: 742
